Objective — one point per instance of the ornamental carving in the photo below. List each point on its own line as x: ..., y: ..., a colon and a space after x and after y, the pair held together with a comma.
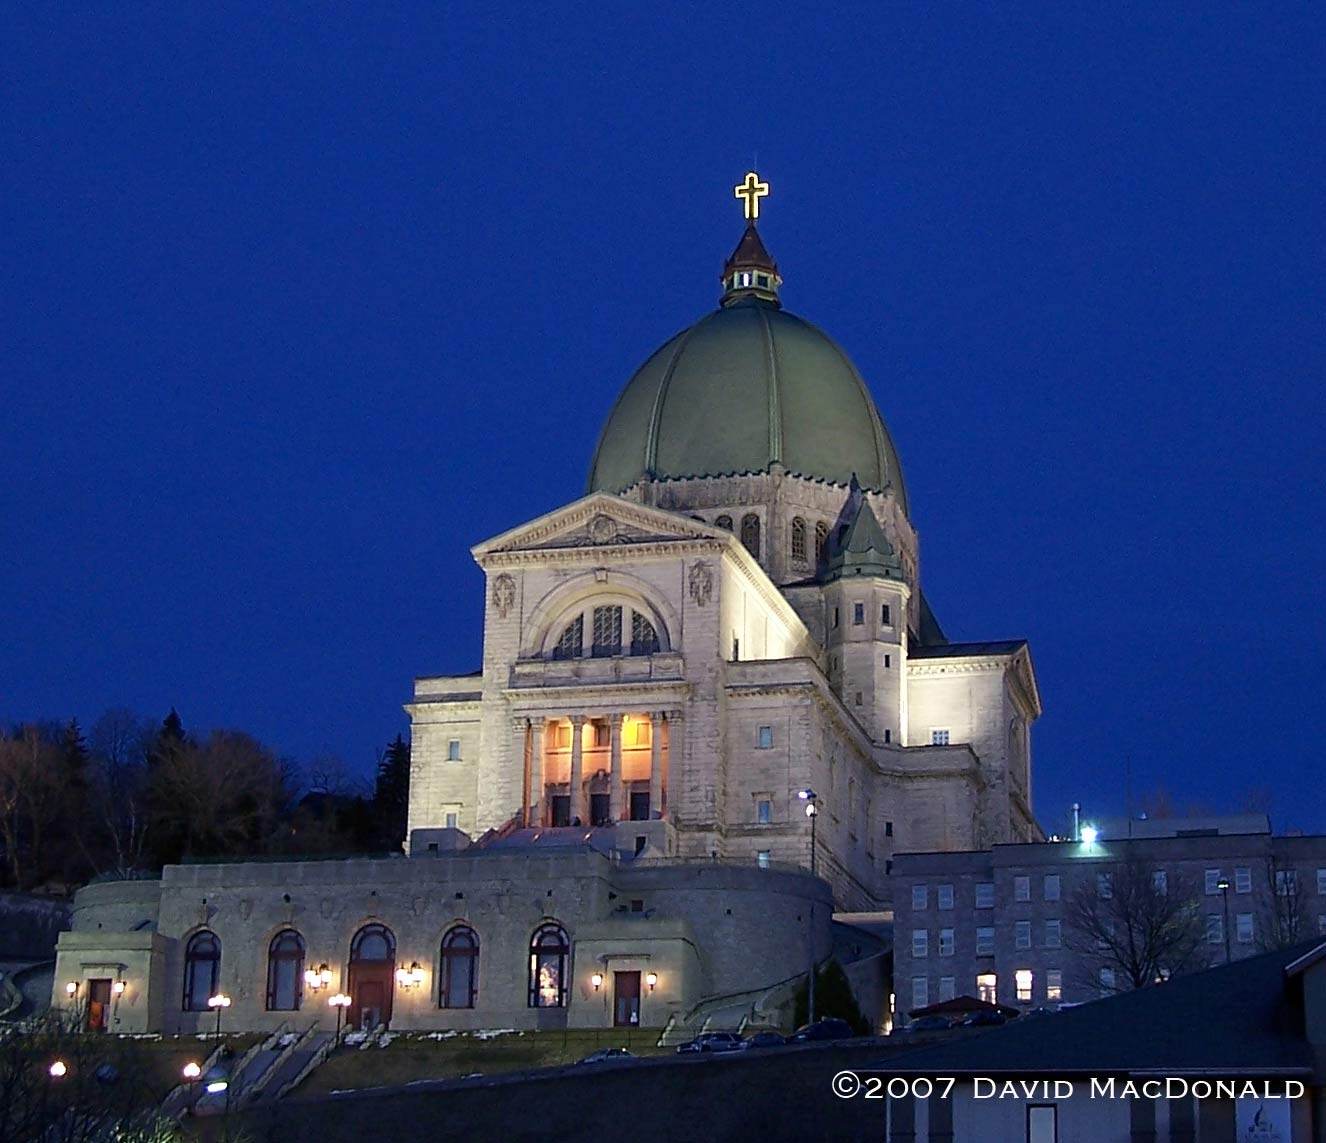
x: 504, y: 594
x: 701, y: 583
x: 602, y: 530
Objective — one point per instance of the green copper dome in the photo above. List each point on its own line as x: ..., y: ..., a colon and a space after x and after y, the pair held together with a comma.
x: 744, y: 388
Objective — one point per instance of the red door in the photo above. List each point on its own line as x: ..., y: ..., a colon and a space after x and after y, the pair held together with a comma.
x: 98, y: 1005
x: 626, y: 1000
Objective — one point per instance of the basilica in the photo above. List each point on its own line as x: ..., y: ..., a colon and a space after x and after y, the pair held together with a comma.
x: 713, y: 703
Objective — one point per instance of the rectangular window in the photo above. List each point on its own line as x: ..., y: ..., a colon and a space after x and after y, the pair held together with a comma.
x: 453, y: 750
x: 1242, y: 879
x: 1160, y: 882
x: 1024, y: 981
x: 920, y: 992
x: 452, y: 818
x: 920, y: 943
x: 987, y: 987
x: 888, y: 735
x: 762, y: 858
x: 1243, y: 928
x: 1106, y: 981
x: 1022, y: 934
x: 1042, y: 1123
x: 948, y: 987
x: 985, y: 895
x: 1212, y: 881
x: 888, y: 829
x: 1052, y: 888
x: 1286, y: 882
x: 607, y: 632
x: 1053, y: 934
x: 944, y: 896
x: 835, y: 617
x: 1104, y: 886
x: 884, y: 616
x: 939, y: 737
x: 764, y: 811
x: 564, y: 738
x: 985, y: 942
x: 1321, y: 924
x: 765, y: 737
x: 1215, y: 929
x: 1054, y: 985
x: 858, y: 614
x: 1021, y: 888
x: 945, y: 942
x: 602, y: 734
x: 1321, y: 882
x: 920, y: 895
x: 888, y: 662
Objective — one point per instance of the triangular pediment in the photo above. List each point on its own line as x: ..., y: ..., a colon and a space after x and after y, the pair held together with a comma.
x: 599, y: 520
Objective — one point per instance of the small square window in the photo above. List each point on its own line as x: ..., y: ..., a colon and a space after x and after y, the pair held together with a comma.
x: 1022, y: 934
x: 944, y: 896
x: 1021, y: 888
x: 762, y: 858
x: 858, y: 614
x: 602, y: 735
x: 985, y: 895
x: 1054, y: 985
x: 939, y: 737
x: 451, y: 820
x: 920, y: 943
x: 1243, y: 879
x: 766, y: 737
x: 764, y: 811
x: 919, y: 897
x: 884, y: 616
x: 637, y: 905
x: 453, y: 750
x: 1051, y: 891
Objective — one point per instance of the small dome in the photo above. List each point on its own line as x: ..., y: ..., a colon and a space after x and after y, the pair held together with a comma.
x: 746, y: 387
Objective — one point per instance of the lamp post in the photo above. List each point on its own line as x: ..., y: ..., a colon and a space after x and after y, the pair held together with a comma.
x: 219, y: 1003
x: 812, y: 811
x: 1223, y: 886
x: 340, y: 1002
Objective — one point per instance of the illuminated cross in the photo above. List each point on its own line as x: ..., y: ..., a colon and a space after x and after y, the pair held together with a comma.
x: 751, y: 191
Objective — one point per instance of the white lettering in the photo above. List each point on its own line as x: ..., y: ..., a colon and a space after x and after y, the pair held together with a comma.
x: 983, y: 1088
x: 1102, y: 1089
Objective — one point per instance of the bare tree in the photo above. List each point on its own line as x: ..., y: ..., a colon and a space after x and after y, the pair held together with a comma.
x: 1284, y: 919
x: 32, y: 802
x: 1143, y: 926
x: 119, y: 741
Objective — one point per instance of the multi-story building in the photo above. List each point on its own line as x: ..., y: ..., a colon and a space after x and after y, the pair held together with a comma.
x: 1006, y: 924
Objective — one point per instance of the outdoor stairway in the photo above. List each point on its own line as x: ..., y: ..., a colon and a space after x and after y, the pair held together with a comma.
x: 303, y: 1056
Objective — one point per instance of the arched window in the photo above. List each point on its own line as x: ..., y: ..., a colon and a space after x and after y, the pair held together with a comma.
x: 460, y: 968
x: 549, y: 957
x: 202, y: 970
x: 644, y: 639
x: 724, y: 522
x: 798, y: 540
x: 285, y: 971
x: 373, y: 942
x: 605, y: 628
x: 571, y: 645
x: 821, y: 542
x: 750, y: 534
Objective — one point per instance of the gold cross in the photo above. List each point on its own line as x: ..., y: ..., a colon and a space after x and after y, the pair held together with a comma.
x: 752, y: 190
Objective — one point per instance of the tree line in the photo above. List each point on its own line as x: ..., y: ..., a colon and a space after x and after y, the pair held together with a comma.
x: 132, y: 795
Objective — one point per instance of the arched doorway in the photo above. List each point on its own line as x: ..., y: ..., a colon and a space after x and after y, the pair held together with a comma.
x: 372, y: 976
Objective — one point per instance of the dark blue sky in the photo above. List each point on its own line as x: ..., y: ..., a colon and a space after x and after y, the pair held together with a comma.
x: 298, y: 307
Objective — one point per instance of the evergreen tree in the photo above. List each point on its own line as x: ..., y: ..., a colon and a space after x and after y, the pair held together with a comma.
x: 833, y: 997
x: 391, y: 793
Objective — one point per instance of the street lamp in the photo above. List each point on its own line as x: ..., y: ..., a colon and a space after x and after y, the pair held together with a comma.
x: 812, y: 811
x: 1223, y: 886
x: 57, y: 1069
x: 340, y: 1002
x: 220, y: 1002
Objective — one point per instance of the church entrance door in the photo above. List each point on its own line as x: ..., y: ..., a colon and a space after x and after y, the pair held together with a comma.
x: 372, y: 974
x: 370, y: 1001
x: 626, y: 1000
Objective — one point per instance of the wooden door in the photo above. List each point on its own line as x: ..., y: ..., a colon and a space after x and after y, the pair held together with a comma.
x: 626, y: 1000
x: 98, y: 1005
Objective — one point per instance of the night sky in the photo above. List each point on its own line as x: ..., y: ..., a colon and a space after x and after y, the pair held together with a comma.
x: 300, y: 304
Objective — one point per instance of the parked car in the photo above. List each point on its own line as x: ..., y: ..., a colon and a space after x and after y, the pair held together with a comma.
x: 929, y: 1024
x: 1037, y: 1012
x: 830, y: 1028
x: 764, y: 1040
x: 985, y: 1020
x: 713, y: 1042
x: 608, y: 1055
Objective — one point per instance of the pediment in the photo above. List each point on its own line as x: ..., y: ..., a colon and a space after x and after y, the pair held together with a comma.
x: 600, y: 520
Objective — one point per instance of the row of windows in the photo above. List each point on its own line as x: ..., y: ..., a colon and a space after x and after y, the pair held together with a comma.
x: 987, y: 987
x: 859, y: 615
x: 799, y: 538
x: 375, y: 945
x: 607, y: 635
x: 985, y: 939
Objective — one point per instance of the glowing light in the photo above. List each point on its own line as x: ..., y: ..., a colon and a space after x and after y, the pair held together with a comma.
x: 58, y: 1069
x: 340, y: 1000
x: 651, y: 979
x: 217, y: 1086
x: 1089, y: 834
x: 192, y: 1070
x: 220, y: 1000
x: 597, y: 981
x: 750, y: 192
x: 118, y: 988
x: 71, y: 988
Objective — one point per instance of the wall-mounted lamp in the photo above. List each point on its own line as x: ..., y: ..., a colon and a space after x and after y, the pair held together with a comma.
x: 651, y: 979
x: 319, y: 977
x: 71, y: 989
x: 118, y: 988
x: 597, y: 981
x: 410, y: 977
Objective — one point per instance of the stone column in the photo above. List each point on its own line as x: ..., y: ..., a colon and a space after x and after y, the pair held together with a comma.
x: 536, y: 786
x: 656, y: 764
x: 519, y: 746
x: 616, y: 785
x: 577, y: 769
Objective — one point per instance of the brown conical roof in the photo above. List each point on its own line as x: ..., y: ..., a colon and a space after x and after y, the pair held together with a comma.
x: 750, y: 254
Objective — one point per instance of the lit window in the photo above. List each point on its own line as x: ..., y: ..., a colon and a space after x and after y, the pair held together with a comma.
x: 1160, y: 883
x: 920, y: 895
x: 1243, y: 879
x: 1023, y: 980
x: 453, y: 750
x: 798, y: 540
x: 549, y: 953
x: 944, y: 896
x: 1054, y: 985
x: 765, y: 737
x: 1215, y: 929
x: 1022, y: 934
x: 987, y: 987
x: 762, y: 858
x: 985, y: 942
x: 945, y: 942
x: 1212, y: 881
x: 884, y: 616
x: 745, y: 278
x: 764, y: 811
x: 1052, y: 887
x: 858, y: 614
x: 1052, y: 934
x: 985, y: 894
x: 920, y: 992
x: 1021, y: 888
x: 939, y: 737
x: 920, y: 943
x: 1243, y: 928
x: 947, y: 987
x: 1106, y: 981
x: 1104, y: 886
